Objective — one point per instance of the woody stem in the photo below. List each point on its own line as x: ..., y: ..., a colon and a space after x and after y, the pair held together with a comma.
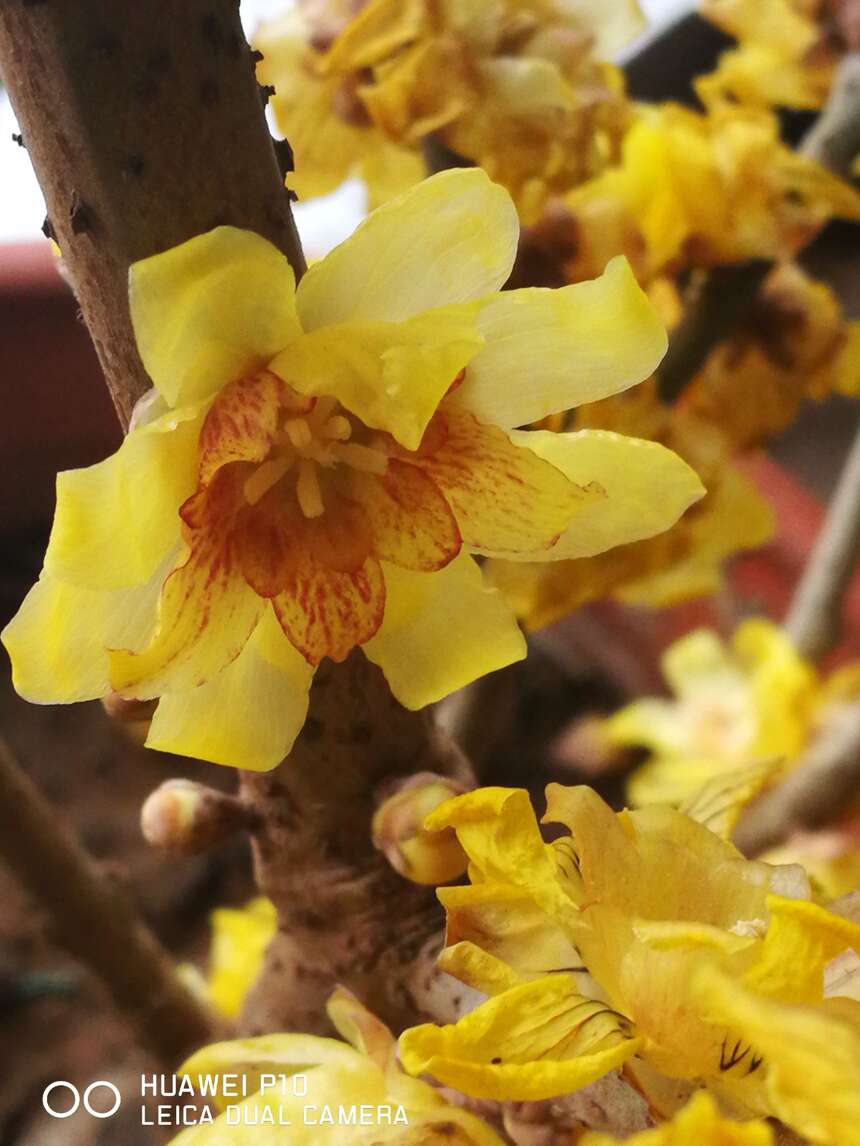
x: 146, y: 126
x: 93, y: 920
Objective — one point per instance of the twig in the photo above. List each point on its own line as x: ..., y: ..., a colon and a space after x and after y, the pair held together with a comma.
x: 814, y: 615
x: 718, y: 299
x: 826, y: 779
x: 94, y: 921
x: 723, y: 295
x: 834, y: 139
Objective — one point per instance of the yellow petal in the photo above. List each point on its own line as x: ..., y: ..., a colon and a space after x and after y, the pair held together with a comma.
x: 538, y: 1040
x: 505, y: 497
x: 59, y: 639
x: 700, y: 1123
x: 246, y: 716
x: 391, y: 375
x: 115, y: 520
x: 718, y: 804
x: 550, y: 350
x: 647, y: 488
x: 206, y: 611
x: 210, y: 310
x: 801, y: 940
x: 239, y: 941
x: 811, y: 1056
x: 414, y: 646
x: 450, y: 239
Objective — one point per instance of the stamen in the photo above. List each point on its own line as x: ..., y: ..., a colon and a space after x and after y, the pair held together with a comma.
x: 362, y: 458
x: 265, y: 476
x: 298, y: 432
x: 308, y: 490
x: 337, y: 429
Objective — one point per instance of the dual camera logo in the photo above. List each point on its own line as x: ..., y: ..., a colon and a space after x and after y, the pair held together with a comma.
x: 62, y: 1099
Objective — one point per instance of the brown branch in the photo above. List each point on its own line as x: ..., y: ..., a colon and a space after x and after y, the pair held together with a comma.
x: 716, y: 302
x: 834, y: 139
x: 145, y: 126
x: 94, y: 921
x: 813, y: 620
x: 818, y: 791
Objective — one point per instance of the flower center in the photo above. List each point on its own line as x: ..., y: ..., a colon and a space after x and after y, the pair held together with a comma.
x: 310, y: 444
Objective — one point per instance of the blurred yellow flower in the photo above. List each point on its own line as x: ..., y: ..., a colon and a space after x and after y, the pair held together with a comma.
x: 359, y: 1075
x: 784, y: 58
x: 795, y: 343
x: 240, y: 937
x: 751, y: 700
x: 698, y: 1124
x: 524, y: 94
x: 628, y: 940
x: 319, y: 465
x: 714, y: 188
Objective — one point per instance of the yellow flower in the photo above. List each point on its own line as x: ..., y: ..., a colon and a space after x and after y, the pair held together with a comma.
x: 628, y: 916
x: 783, y: 58
x: 716, y: 188
x: 240, y: 937
x: 320, y: 464
x: 302, y: 1081
x: 524, y: 96
x: 753, y: 700
x: 795, y: 344
x: 698, y: 1124
x: 322, y: 116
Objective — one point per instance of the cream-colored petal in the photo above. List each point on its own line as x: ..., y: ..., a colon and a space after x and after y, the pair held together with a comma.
x: 441, y: 631
x: 647, y: 488
x: 247, y: 716
x: 550, y: 350
x: 210, y: 310
x: 450, y: 239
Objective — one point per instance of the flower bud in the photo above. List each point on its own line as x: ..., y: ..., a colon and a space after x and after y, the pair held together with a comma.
x: 185, y: 817
x: 398, y: 830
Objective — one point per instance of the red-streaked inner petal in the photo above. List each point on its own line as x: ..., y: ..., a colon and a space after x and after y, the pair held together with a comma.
x: 505, y: 498
x: 411, y: 522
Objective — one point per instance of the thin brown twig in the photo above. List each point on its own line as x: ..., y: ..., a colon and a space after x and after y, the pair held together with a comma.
x: 813, y: 620
x: 94, y: 921
x: 821, y: 788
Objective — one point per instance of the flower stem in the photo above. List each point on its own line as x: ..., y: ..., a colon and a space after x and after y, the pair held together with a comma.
x: 94, y: 921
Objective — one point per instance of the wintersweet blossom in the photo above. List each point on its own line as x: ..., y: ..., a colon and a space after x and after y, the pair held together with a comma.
x: 785, y: 56
x: 645, y: 939
x: 319, y: 465
x: 698, y: 1124
x: 751, y: 700
x: 352, y: 1092
x: 709, y: 189
x: 525, y: 96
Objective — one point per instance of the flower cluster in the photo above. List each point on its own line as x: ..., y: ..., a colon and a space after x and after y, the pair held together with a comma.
x: 525, y: 94
x: 642, y: 939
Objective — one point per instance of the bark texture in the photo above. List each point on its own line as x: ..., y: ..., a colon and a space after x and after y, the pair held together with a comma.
x: 145, y: 125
